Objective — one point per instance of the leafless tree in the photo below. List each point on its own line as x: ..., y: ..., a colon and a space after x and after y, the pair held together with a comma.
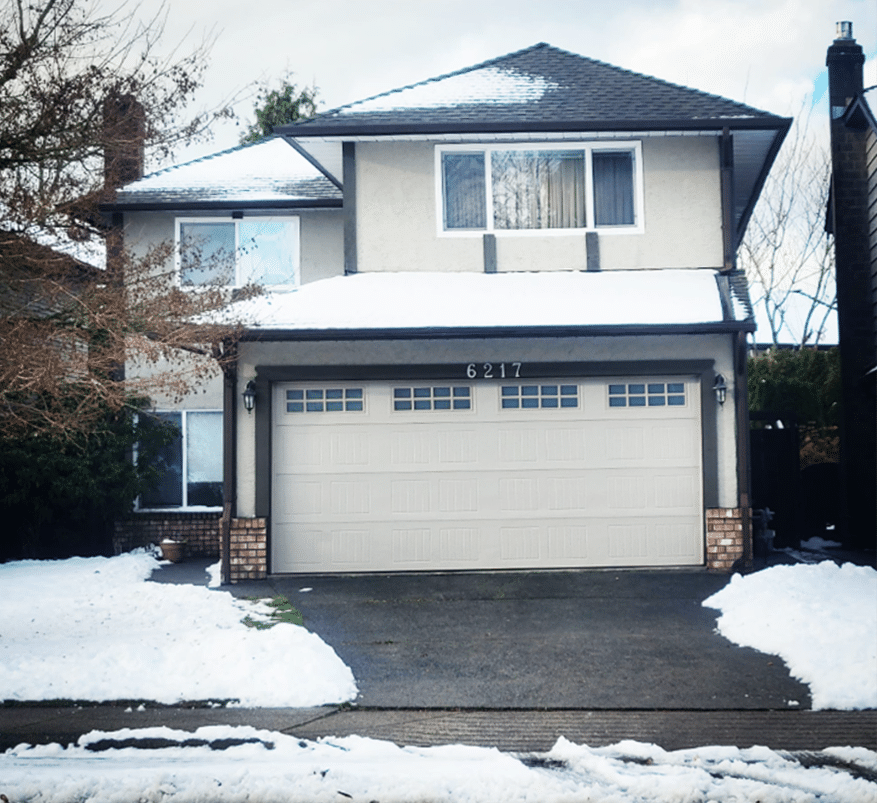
x: 786, y: 253
x: 66, y: 326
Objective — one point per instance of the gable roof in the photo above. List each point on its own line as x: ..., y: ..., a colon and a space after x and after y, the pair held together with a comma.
x: 536, y: 89
x: 263, y: 175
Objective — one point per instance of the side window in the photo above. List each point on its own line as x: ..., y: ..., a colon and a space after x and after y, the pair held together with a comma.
x: 190, y: 467
x: 234, y: 253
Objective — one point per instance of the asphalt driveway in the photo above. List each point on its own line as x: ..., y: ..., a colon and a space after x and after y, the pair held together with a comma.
x: 554, y: 640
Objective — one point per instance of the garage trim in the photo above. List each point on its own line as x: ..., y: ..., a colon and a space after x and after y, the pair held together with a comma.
x: 267, y: 375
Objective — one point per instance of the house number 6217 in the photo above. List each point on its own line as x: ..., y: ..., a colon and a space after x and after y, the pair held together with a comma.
x: 489, y: 370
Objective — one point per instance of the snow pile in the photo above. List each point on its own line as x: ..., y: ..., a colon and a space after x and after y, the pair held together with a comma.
x: 270, y: 766
x: 93, y: 629
x: 821, y: 619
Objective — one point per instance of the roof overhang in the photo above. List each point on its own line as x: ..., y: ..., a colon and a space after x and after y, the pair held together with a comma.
x: 225, y: 204
x: 356, y: 130
x: 498, y: 333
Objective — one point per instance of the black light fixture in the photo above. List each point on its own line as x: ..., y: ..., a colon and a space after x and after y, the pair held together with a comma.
x: 250, y: 396
x: 720, y: 389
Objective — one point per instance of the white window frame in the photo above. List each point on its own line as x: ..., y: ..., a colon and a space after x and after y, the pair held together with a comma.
x: 294, y: 220
x: 632, y: 146
x: 184, y: 463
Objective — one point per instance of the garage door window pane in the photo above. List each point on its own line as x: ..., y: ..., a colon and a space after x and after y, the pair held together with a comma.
x: 444, y: 397
x: 532, y: 397
x: 651, y: 394
x: 325, y: 400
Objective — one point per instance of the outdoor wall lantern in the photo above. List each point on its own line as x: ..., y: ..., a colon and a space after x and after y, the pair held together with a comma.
x: 250, y: 396
x: 720, y: 388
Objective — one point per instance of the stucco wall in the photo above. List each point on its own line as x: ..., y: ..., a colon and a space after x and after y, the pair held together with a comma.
x: 595, y: 350
x: 322, y: 256
x: 397, y: 216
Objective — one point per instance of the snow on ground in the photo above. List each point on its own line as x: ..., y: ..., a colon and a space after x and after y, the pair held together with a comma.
x: 821, y: 619
x: 94, y: 629
x: 268, y: 766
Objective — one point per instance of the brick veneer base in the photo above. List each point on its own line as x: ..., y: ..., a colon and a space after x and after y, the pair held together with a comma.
x: 724, y: 537
x: 249, y: 549
x: 199, y: 531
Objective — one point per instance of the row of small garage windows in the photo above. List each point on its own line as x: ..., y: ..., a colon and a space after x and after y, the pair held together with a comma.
x: 459, y: 397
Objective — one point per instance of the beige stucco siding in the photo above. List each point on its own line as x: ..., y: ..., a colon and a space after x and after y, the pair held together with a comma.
x: 397, y: 216
x: 322, y: 257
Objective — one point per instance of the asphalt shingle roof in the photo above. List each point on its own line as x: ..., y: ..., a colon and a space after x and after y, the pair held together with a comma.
x: 537, y: 88
x: 270, y: 172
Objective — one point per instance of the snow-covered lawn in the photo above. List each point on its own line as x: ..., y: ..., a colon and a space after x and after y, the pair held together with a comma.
x: 821, y: 619
x: 94, y: 629
x: 270, y: 767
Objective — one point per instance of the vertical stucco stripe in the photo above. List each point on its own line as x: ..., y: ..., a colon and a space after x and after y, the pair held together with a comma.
x: 348, y: 151
x: 490, y: 253
x: 592, y: 250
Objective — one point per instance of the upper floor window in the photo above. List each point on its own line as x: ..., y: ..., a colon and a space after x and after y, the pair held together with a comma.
x: 234, y: 253
x: 500, y: 188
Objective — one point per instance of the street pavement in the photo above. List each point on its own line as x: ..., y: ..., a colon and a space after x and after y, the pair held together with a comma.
x: 512, y: 660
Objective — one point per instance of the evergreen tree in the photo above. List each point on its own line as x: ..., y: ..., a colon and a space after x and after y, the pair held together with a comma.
x: 274, y: 107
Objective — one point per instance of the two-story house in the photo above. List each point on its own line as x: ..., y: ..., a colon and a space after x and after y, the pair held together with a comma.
x: 503, y: 327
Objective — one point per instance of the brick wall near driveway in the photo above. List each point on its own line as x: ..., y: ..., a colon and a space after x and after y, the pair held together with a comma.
x: 249, y: 549
x: 199, y: 531
x: 724, y: 537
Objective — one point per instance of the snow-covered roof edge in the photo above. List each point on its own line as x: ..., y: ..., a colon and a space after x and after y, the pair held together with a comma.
x: 367, y: 304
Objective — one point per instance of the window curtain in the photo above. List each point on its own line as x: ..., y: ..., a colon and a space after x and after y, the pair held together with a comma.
x: 464, y: 190
x: 538, y: 189
x: 613, y: 188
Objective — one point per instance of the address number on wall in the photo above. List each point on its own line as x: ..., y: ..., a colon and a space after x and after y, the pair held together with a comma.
x: 490, y: 370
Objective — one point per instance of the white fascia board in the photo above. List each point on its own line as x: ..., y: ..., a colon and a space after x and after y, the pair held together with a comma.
x: 522, y: 136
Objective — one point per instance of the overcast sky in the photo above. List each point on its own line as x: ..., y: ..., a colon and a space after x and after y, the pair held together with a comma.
x: 767, y: 53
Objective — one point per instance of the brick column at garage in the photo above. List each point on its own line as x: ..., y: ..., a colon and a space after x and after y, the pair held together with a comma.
x: 724, y: 537
x: 249, y: 549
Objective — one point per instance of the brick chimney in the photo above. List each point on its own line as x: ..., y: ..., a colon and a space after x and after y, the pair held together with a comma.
x: 124, y: 141
x: 845, y: 60
x: 849, y: 222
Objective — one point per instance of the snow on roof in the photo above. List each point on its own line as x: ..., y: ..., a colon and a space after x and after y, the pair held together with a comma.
x: 480, y: 300
x: 531, y: 89
x: 266, y: 170
x: 492, y: 85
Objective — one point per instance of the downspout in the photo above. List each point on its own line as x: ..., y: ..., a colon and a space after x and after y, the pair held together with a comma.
x: 229, y: 461
x: 741, y: 390
x: 726, y: 161
x: 744, y: 472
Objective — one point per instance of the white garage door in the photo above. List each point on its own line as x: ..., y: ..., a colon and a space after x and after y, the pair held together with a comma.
x: 400, y: 476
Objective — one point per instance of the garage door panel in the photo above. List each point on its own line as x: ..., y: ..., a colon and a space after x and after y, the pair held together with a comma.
x: 379, y: 489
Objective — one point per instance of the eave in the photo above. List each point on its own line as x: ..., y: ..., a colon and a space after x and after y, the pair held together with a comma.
x: 253, y: 335
x: 354, y: 129
x: 199, y: 205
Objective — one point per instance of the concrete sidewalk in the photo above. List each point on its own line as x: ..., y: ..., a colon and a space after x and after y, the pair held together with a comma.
x: 523, y: 730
